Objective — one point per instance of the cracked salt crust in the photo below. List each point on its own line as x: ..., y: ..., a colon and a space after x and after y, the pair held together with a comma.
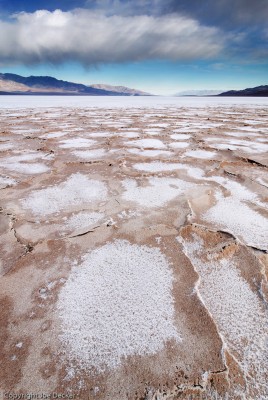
x: 159, y: 191
x: 237, y: 311
x: 76, y: 142
x: 232, y: 215
x: 147, y: 143
x: 206, y: 155
x: 123, y: 294
x: 77, y: 190
x: 83, y: 219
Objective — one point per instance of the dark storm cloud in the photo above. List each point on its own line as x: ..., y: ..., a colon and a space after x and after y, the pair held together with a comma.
x: 229, y: 13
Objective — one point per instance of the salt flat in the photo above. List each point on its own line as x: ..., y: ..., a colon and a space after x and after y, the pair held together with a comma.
x: 134, y: 239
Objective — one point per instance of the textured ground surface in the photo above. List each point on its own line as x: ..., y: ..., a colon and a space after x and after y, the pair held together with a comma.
x: 134, y: 252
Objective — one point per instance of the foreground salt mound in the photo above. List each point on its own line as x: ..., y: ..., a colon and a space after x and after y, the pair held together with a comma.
x: 75, y: 191
x: 118, y: 303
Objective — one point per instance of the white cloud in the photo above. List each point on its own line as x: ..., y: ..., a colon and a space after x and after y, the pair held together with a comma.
x: 93, y: 37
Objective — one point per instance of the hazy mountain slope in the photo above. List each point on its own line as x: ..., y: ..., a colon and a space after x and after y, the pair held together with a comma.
x: 121, y: 89
x: 17, y: 84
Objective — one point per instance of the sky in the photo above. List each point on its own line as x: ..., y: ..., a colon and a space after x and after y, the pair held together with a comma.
x: 159, y: 46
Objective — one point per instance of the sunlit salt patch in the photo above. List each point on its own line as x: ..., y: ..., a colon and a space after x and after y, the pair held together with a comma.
x: 83, y: 219
x: 130, y: 135
x: 232, y: 215
x: 243, y: 145
x: 147, y: 143
x: 149, y: 153
x: 124, y: 296
x: 90, y: 154
x: 156, y: 166
x: 54, y: 135
x: 179, y: 145
x: 157, y: 193
x: 26, y: 157
x: 76, y: 191
x: 180, y: 136
x: 236, y: 310
x: 101, y: 134
x: 223, y: 146
x: 184, y: 129
x: 159, y: 125
x: 152, y: 131
x: 237, y: 190
x: 77, y: 143
x: 262, y: 140
x: 206, y: 155
x: 26, y: 168
x: 239, y: 134
x: 6, y: 146
x: 6, y: 181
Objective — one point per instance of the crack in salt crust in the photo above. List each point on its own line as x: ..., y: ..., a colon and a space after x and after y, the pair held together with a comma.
x: 118, y: 303
x: 75, y: 191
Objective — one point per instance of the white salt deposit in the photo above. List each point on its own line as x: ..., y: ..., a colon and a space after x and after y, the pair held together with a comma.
x: 53, y: 135
x: 206, y: 155
x: 100, y: 134
x: 117, y: 304
x: 76, y: 191
x: 6, y: 181
x: 77, y: 143
x: 90, y: 154
x: 180, y: 136
x: 6, y: 146
x: 150, y: 153
x: 83, y: 219
x: 179, y: 145
x: 147, y: 143
x: 31, y: 168
x: 159, y: 191
x: 232, y: 215
x: 237, y: 311
x: 130, y: 135
x: 156, y: 166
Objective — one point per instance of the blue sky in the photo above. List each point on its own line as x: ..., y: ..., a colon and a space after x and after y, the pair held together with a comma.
x: 158, y: 46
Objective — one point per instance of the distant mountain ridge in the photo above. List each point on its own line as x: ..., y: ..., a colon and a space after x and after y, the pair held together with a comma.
x: 36, y: 85
x: 259, y: 91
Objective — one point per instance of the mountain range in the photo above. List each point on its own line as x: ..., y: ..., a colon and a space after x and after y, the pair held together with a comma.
x: 259, y: 91
x: 46, y: 85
